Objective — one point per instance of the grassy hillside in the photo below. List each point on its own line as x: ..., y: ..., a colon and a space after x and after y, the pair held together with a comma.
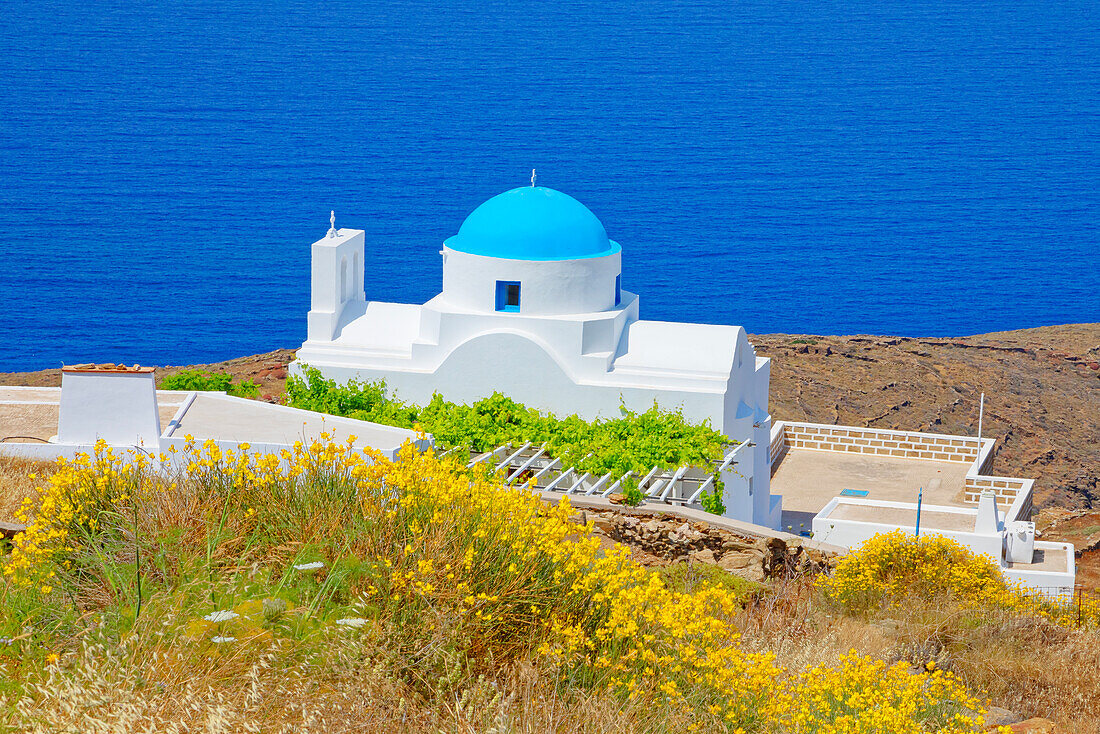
x: 343, y: 592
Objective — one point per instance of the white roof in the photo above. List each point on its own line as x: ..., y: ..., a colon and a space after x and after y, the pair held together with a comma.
x: 385, y: 327
x: 685, y: 349
x: 227, y: 418
x: 650, y: 354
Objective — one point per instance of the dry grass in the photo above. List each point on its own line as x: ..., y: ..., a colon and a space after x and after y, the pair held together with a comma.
x: 102, y: 690
x: 16, y: 482
x: 791, y: 622
x: 1027, y: 665
x: 1033, y: 667
x: 147, y: 680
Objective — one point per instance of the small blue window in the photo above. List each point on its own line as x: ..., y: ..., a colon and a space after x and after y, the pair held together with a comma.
x: 618, y: 289
x: 508, y: 296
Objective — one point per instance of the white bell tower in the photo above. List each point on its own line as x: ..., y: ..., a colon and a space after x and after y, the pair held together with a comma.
x: 336, y: 287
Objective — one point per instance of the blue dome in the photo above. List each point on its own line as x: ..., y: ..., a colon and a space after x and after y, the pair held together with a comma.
x: 533, y: 223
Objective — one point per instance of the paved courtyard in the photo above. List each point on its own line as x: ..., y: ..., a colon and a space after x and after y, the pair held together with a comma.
x: 808, y: 479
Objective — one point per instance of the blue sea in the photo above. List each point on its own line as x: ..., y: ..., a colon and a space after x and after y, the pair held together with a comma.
x: 915, y: 167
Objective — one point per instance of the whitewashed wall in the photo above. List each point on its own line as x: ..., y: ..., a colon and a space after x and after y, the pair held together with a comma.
x: 118, y: 407
x: 548, y: 287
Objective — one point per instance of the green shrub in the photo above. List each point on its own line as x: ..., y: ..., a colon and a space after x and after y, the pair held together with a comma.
x: 712, y: 501
x: 632, y: 442
x: 685, y: 578
x: 210, y: 381
x: 631, y: 494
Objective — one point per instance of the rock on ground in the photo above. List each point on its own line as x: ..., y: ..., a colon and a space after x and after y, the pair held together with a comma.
x: 664, y: 539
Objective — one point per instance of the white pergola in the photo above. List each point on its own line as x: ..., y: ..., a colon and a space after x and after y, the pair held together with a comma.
x: 533, y: 464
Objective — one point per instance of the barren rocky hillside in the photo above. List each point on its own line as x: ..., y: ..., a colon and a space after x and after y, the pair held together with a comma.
x: 1042, y: 391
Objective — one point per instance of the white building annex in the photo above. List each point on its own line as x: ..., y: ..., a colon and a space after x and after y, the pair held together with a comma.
x: 850, y: 483
x: 533, y: 307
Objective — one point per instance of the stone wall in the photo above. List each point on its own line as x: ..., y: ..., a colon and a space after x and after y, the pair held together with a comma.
x: 902, y: 444
x: 1008, y: 490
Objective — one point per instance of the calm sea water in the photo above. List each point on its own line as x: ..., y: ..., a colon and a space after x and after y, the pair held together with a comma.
x: 911, y: 167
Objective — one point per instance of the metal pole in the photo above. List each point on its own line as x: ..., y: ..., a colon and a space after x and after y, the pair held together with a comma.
x: 920, y: 494
x: 981, y: 414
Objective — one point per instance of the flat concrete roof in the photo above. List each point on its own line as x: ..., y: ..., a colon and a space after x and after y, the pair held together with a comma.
x: 1045, y: 559
x: 929, y: 519
x: 808, y: 479
x: 240, y: 420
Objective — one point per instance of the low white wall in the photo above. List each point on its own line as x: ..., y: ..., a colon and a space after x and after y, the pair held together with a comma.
x: 177, y: 460
x: 1013, y: 491
x: 1053, y: 584
x: 851, y: 533
x: 883, y: 442
x: 44, y: 451
x: 244, y: 421
x: 53, y: 451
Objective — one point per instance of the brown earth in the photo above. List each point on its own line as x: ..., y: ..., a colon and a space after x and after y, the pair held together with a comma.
x: 266, y: 370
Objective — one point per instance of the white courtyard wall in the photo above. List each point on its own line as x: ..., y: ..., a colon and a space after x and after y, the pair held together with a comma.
x: 1013, y: 492
x: 118, y: 407
x: 45, y: 451
x: 883, y: 442
x: 850, y: 533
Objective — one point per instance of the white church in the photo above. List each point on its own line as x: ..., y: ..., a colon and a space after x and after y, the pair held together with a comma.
x: 533, y: 307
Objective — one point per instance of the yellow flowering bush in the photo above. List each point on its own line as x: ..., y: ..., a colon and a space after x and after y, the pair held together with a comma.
x: 69, y: 508
x: 864, y: 695
x: 893, y: 565
x: 522, y: 574
x: 440, y: 561
x: 891, y: 568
